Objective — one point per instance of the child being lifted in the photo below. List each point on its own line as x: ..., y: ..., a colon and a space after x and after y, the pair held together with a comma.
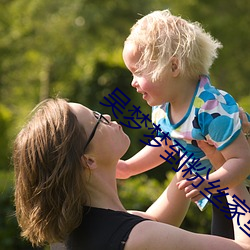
x: 170, y: 59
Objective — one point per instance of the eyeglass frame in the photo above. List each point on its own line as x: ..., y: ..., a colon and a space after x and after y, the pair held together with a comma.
x: 100, y: 118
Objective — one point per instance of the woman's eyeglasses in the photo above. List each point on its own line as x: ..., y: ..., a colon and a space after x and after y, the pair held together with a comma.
x: 100, y: 118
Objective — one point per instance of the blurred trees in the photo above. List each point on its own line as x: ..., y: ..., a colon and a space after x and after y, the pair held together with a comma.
x: 73, y: 49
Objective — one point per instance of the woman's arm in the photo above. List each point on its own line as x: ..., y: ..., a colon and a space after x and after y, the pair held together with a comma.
x: 214, y: 156
x: 171, y: 207
x: 245, y: 123
x: 160, y: 236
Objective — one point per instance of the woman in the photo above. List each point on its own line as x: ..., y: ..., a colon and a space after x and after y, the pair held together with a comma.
x: 65, y: 166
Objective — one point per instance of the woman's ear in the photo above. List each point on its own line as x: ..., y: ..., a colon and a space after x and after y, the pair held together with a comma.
x: 175, y: 66
x: 89, y: 161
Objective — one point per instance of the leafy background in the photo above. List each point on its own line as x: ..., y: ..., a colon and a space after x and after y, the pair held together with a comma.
x: 72, y: 48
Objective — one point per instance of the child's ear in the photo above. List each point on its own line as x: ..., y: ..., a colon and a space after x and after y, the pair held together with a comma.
x: 175, y: 66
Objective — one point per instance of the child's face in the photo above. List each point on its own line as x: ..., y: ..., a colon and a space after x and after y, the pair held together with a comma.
x: 152, y: 92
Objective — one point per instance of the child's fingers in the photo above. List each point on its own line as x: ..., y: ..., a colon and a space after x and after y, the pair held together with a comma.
x: 193, y: 194
x: 244, y: 120
x: 189, y: 188
x: 243, y: 116
x: 197, y: 198
x: 183, y: 184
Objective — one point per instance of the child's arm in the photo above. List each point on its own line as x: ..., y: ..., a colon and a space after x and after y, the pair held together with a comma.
x: 237, y: 166
x: 146, y: 159
x: 237, y: 158
x: 214, y: 156
x: 234, y: 171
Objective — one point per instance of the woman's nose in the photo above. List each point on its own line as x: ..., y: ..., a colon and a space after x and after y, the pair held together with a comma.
x: 108, y: 117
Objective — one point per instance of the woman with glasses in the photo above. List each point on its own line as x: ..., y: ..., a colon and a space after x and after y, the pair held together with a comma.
x: 65, y: 188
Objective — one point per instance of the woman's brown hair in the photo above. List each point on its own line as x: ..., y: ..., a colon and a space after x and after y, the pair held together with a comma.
x: 49, y: 182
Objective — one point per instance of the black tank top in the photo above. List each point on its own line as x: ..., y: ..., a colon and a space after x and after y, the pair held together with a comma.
x: 102, y: 229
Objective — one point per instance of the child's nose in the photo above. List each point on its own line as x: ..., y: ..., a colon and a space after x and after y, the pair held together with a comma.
x: 134, y: 83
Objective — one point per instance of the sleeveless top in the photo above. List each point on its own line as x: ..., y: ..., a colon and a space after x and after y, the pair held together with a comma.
x: 102, y: 229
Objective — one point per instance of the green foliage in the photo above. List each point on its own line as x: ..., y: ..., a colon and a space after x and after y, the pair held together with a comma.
x: 9, y: 231
x: 197, y: 221
x: 139, y: 192
x: 74, y: 48
x: 5, y: 124
x: 227, y: 22
x: 245, y: 103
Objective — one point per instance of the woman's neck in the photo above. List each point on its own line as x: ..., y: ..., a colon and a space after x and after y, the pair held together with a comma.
x: 102, y: 189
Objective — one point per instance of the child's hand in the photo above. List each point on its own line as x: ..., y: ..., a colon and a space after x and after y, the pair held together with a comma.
x: 245, y: 122
x: 208, y: 149
x: 215, y: 156
x: 122, y: 170
x: 192, y: 192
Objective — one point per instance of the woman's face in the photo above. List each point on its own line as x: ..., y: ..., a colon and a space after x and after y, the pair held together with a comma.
x: 108, y: 140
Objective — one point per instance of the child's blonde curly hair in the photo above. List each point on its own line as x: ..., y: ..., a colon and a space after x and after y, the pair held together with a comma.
x: 161, y: 36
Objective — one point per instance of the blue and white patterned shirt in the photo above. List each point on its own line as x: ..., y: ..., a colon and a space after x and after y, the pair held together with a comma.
x: 213, y: 115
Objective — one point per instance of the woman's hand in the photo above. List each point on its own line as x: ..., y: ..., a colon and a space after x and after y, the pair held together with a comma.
x: 245, y: 124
